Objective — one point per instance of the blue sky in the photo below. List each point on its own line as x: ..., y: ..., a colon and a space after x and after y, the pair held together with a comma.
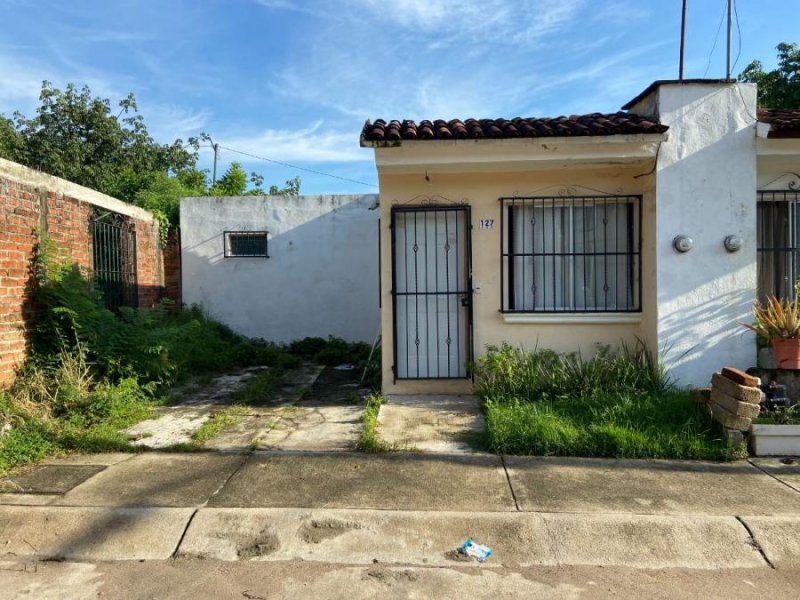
x: 294, y: 80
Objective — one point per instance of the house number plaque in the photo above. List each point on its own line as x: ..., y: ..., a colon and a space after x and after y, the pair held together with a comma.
x: 486, y: 224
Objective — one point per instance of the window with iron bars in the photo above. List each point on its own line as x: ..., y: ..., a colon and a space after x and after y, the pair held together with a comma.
x: 246, y: 244
x: 571, y: 254
x: 778, y: 225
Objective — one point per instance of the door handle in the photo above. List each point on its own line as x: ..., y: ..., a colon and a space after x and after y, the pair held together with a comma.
x: 466, y: 302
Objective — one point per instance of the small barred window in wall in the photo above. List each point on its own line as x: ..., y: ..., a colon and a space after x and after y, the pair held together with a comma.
x: 778, y: 225
x: 239, y: 244
x: 571, y: 254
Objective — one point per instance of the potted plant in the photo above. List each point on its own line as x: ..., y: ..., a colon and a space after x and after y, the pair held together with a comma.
x: 778, y: 322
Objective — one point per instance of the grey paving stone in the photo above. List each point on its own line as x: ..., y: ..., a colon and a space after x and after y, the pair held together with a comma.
x: 156, y: 479
x: 49, y: 479
x: 387, y: 481
x: 648, y: 487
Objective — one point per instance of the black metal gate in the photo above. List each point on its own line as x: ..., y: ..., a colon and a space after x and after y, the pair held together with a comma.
x: 431, y: 291
x: 114, y: 258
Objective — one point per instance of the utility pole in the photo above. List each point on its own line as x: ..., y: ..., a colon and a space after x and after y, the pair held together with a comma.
x: 728, y: 62
x: 683, y: 40
x: 207, y: 138
x: 215, y: 146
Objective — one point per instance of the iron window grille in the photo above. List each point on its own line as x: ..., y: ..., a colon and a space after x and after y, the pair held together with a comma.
x: 114, y: 259
x: 246, y: 244
x: 778, y: 243
x: 577, y: 254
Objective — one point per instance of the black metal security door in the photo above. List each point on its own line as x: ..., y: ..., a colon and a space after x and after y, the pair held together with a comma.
x: 432, y: 292
x: 114, y: 257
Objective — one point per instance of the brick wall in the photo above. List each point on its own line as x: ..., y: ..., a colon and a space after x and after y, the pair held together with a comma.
x: 172, y: 267
x: 31, y: 202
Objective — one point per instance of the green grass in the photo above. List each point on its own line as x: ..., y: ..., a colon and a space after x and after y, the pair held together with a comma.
x: 370, y: 440
x: 259, y: 389
x: 60, y: 408
x: 618, y: 405
x: 226, y: 417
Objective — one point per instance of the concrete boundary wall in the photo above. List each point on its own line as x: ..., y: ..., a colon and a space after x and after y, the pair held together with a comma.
x: 321, y: 276
x: 32, y: 202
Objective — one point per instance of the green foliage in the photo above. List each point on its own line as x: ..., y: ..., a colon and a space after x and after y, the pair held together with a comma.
x: 616, y: 404
x: 508, y: 372
x: 369, y: 440
x: 780, y: 415
x: 87, y: 140
x: 258, y: 389
x: 156, y: 344
x: 778, y: 318
x: 223, y: 418
x: 83, y: 139
x: 608, y: 425
x: 292, y: 188
x: 232, y: 183
x: 58, y: 405
x: 333, y: 351
x: 779, y: 88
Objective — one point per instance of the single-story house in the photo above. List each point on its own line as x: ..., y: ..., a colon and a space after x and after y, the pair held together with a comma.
x: 661, y: 223
x: 284, y: 268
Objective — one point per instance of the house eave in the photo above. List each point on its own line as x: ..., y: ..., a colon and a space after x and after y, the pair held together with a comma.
x: 518, y: 153
x: 767, y: 146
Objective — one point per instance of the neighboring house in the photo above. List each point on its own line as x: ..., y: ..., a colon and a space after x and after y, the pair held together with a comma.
x: 561, y: 233
x: 284, y: 268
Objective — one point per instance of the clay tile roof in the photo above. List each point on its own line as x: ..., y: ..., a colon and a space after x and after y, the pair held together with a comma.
x: 380, y: 131
x: 784, y: 122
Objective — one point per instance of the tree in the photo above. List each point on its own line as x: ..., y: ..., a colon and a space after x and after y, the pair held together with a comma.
x: 292, y: 188
x: 779, y: 88
x: 232, y: 183
x: 78, y: 137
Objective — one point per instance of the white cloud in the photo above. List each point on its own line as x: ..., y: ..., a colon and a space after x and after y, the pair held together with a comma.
x: 166, y: 122
x: 313, y: 144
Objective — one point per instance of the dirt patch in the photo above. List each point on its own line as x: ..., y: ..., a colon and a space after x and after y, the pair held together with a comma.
x: 389, y: 576
x: 266, y: 543
x: 318, y: 530
x: 457, y: 556
x: 335, y: 387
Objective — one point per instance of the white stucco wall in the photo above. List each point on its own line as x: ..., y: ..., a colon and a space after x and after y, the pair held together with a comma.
x: 321, y: 277
x: 706, y: 189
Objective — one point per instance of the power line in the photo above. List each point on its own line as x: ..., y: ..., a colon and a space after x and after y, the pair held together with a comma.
x: 291, y: 166
x: 716, y: 37
x: 739, y: 35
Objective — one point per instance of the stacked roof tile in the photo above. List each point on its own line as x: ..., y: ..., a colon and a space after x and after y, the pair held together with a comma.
x: 474, y: 129
x: 784, y: 122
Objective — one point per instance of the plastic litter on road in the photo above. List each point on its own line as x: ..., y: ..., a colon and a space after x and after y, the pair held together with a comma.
x: 478, y: 551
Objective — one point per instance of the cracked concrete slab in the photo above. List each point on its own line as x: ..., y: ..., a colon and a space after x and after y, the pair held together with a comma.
x: 651, y: 487
x: 169, y: 480
x: 88, y: 533
x: 385, y: 481
x: 175, y: 425
x: 431, y: 423
x: 783, y: 472
x: 363, y: 536
x: 49, y: 479
x: 28, y: 499
x: 778, y: 537
x: 105, y: 459
x: 318, y: 428
x: 430, y: 538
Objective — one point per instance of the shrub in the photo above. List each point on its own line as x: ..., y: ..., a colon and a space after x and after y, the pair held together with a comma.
x: 615, y: 404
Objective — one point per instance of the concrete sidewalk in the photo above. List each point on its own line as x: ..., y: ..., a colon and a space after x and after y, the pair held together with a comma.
x: 405, y: 509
